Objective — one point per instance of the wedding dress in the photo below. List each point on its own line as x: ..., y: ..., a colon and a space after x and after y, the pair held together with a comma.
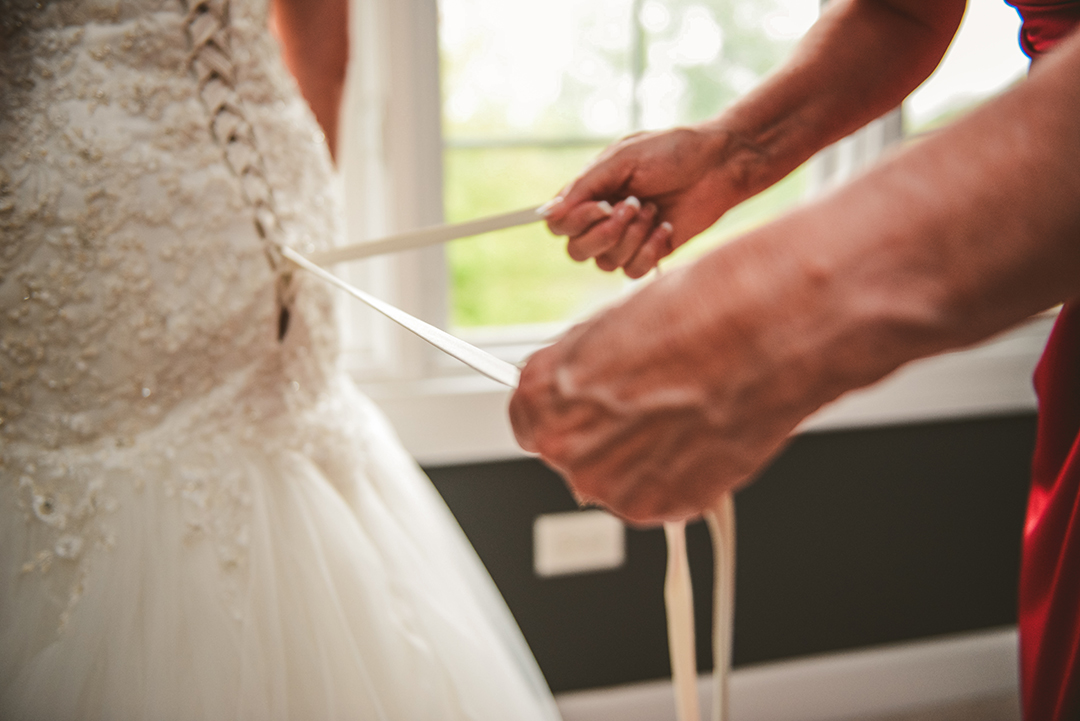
x: 200, y: 517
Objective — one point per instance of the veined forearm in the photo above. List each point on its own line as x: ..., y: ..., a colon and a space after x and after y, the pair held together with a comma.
x: 957, y: 237
x: 985, y: 215
x: 688, y: 387
x: 857, y: 62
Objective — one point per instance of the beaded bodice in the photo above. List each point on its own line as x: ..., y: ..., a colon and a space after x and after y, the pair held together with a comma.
x: 151, y: 154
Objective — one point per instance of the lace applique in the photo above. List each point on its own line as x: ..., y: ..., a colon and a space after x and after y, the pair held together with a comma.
x: 140, y: 291
x: 70, y: 514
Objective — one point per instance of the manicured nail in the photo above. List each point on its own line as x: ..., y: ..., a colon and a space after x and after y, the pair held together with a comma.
x: 605, y: 206
x: 629, y: 208
x: 545, y: 210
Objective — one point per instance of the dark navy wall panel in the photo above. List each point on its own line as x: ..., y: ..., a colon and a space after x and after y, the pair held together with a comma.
x: 849, y: 539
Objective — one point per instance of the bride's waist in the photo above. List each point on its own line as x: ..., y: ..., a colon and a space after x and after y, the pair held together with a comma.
x: 269, y: 392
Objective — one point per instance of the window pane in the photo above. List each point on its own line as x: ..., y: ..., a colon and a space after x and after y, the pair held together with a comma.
x: 526, y: 85
x: 520, y: 275
x: 700, y: 55
x: 537, y: 69
x: 984, y: 59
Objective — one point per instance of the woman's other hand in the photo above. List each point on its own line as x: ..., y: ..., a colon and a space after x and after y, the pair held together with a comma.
x: 649, y: 193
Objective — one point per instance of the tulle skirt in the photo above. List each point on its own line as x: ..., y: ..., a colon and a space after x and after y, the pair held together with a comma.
x: 245, y: 562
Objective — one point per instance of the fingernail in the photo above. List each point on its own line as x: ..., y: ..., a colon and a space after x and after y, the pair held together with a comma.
x: 545, y: 210
x: 629, y: 208
x: 667, y: 226
x: 605, y: 206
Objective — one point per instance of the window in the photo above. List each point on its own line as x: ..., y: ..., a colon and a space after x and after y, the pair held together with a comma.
x: 529, y: 93
x: 533, y: 91
x: 984, y: 59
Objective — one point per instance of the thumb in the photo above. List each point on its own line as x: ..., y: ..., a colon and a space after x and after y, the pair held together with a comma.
x: 605, y: 180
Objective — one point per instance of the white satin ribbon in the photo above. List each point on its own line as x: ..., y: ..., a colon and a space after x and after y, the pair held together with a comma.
x: 679, y: 603
x: 426, y: 236
x: 678, y: 592
x: 481, y: 361
x: 721, y: 520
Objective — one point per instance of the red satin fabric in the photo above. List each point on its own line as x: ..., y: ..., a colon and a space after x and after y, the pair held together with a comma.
x: 1050, y: 571
x: 1045, y: 23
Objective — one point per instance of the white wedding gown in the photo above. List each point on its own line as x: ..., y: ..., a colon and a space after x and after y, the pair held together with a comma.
x: 199, y: 520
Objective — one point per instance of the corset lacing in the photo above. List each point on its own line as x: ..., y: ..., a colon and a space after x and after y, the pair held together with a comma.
x: 211, y: 62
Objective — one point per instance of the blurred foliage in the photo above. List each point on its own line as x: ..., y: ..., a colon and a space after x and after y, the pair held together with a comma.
x: 523, y: 275
x: 696, y: 56
x: 519, y: 275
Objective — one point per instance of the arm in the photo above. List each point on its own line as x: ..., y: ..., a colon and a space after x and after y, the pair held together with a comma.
x: 857, y: 62
x: 686, y: 390
x: 314, y: 36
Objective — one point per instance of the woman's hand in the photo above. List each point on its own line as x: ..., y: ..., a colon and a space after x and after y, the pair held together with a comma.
x: 658, y: 406
x: 649, y: 193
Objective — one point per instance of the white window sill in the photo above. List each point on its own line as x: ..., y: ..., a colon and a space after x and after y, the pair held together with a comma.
x: 462, y: 419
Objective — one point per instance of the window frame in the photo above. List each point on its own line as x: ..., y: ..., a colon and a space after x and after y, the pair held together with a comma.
x: 445, y: 413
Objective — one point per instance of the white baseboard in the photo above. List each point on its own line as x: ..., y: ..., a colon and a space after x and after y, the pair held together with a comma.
x: 870, y: 682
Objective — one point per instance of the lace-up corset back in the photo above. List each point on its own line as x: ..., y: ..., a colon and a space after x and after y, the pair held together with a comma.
x: 151, y: 155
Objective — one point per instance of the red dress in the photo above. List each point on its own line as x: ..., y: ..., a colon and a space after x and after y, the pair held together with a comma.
x: 1050, y: 569
x: 1045, y: 23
